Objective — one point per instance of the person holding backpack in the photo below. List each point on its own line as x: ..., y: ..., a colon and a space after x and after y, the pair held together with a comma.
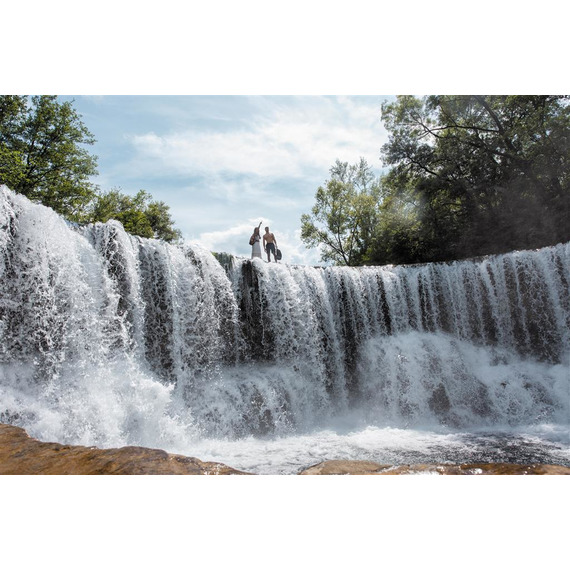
x: 254, y: 241
x: 269, y: 245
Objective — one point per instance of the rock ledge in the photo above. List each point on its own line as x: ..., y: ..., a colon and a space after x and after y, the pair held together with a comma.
x: 22, y: 455
x: 341, y: 467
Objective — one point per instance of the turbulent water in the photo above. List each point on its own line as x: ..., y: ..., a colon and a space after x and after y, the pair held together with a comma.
x: 108, y: 339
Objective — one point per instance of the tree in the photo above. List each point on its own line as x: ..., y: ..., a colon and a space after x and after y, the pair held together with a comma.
x: 12, y: 108
x: 398, y: 234
x: 139, y: 214
x: 344, y: 216
x: 42, y: 154
x: 484, y: 174
x: 161, y: 222
x: 42, y: 157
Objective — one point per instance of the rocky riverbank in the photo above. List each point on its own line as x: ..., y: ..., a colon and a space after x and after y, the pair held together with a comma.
x: 371, y: 468
x: 22, y: 455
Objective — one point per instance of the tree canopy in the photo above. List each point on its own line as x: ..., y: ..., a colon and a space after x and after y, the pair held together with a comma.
x: 473, y: 175
x: 344, y: 216
x: 43, y: 156
x: 139, y: 214
x: 466, y: 176
x: 42, y: 153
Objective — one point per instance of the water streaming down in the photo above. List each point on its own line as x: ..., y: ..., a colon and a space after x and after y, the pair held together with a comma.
x: 109, y: 339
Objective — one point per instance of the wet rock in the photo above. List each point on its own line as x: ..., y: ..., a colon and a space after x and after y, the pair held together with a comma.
x: 439, y: 401
x: 346, y: 467
x: 22, y: 455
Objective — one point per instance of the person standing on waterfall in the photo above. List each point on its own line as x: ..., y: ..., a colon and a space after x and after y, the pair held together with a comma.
x: 269, y: 244
x: 254, y: 241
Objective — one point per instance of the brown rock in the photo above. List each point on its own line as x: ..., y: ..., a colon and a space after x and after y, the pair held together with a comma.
x: 22, y: 455
x: 346, y: 467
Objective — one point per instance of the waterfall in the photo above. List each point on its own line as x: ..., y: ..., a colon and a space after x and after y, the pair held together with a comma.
x: 109, y: 339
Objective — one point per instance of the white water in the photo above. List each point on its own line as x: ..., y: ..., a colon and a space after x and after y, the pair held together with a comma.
x: 111, y: 340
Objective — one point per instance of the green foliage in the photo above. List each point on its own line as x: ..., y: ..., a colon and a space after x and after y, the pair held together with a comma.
x: 42, y: 157
x: 160, y: 220
x: 344, y: 216
x: 468, y: 176
x: 472, y: 175
x: 41, y: 153
x: 139, y: 214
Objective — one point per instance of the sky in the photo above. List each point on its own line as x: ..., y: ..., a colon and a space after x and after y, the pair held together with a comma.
x: 225, y: 163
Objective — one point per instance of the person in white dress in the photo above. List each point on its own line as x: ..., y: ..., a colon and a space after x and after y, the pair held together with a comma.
x: 255, y: 242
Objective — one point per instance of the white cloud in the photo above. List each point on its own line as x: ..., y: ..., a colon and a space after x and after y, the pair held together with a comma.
x: 232, y: 240
x: 283, y: 141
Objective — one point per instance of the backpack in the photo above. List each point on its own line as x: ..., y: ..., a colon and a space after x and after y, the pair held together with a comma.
x: 278, y: 254
x: 251, y: 240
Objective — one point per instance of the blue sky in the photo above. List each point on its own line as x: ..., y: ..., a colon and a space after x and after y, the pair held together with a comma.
x: 224, y: 163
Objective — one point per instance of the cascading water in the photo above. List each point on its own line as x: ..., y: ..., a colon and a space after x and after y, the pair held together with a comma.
x: 108, y: 339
